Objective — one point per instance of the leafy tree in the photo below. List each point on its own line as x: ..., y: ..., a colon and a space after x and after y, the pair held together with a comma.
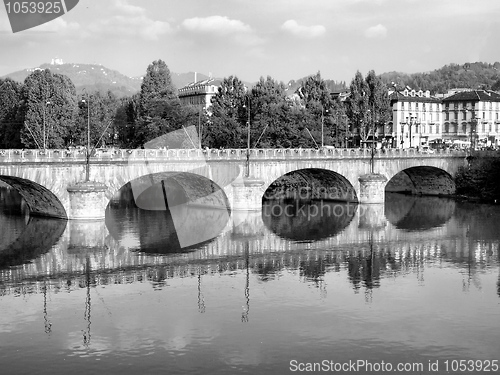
x: 102, y: 110
x: 229, y: 115
x: 339, y: 130
x: 156, y: 88
x: 368, y: 106
x: 158, y: 110
x: 10, y: 96
x: 380, y: 108
x: 318, y: 102
x: 358, y: 106
x: 48, y: 110
x: 272, y: 125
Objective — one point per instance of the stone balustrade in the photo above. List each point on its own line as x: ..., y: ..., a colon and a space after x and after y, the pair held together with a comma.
x: 121, y: 155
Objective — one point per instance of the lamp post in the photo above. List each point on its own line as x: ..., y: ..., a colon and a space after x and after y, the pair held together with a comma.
x: 411, y: 121
x: 87, y: 156
x: 44, y: 126
x: 199, y: 126
x: 247, y: 169
x: 346, y: 131
x: 323, y: 126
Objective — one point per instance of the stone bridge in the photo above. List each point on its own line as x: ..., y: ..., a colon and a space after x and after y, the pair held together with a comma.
x: 52, y: 182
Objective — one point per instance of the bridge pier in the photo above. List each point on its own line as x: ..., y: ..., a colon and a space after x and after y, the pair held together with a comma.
x: 87, y: 201
x: 247, y: 194
x: 372, y: 188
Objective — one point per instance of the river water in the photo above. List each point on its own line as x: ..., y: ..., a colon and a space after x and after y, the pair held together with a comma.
x: 301, y: 286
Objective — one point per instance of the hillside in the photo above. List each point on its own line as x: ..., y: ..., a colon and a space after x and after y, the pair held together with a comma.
x: 476, y: 75
x: 94, y: 77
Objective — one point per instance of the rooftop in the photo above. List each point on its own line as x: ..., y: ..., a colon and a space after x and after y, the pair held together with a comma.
x: 474, y: 95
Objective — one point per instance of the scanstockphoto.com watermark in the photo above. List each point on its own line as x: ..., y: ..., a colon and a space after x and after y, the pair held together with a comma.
x: 381, y: 367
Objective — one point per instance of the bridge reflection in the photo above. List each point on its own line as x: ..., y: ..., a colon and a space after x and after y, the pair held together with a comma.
x: 366, y: 250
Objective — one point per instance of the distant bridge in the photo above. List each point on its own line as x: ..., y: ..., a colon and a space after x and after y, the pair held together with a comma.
x: 217, y: 177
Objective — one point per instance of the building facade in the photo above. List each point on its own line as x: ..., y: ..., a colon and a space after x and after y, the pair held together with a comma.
x: 199, y: 93
x: 416, y: 119
x: 472, y: 118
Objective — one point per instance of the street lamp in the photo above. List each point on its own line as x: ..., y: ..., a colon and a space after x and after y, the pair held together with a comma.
x: 87, y: 165
x: 323, y: 126
x: 346, y: 131
x: 44, y: 126
x: 247, y: 167
x: 412, y: 121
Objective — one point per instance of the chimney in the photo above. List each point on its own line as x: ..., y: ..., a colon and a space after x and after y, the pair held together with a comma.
x: 195, y: 77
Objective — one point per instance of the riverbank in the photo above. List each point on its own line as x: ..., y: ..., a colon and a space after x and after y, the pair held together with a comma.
x: 479, y: 181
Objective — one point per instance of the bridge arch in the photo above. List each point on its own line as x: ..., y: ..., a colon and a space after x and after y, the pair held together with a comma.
x: 311, y: 183
x: 424, y: 180
x: 40, y: 200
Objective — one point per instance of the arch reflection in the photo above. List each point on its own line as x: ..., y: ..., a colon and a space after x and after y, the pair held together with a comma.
x: 176, y: 229
x: 23, y: 237
x: 417, y: 213
x: 317, y: 220
x: 37, y: 238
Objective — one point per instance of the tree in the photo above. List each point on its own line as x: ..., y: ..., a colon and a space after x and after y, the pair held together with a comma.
x: 159, y: 110
x: 156, y: 88
x: 368, y: 106
x: 272, y: 125
x: 125, y: 118
x: 229, y: 115
x: 380, y: 106
x: 102, y: 110
x: 48, y: 110
x: 10, y: 96
x: 318, y: 103
x: 358, y: 106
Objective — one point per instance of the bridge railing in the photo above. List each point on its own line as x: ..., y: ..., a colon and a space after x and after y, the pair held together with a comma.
x: 57, y: 156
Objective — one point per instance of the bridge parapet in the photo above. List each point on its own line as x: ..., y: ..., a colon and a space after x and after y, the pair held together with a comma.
x: 139, y: 155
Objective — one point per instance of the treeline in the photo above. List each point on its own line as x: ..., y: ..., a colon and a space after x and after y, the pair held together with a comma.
x: 480, y: 178
x: 476, y: 75
x: 46, y: 112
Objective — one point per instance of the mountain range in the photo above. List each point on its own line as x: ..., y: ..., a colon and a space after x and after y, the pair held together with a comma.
x: 92, y: 77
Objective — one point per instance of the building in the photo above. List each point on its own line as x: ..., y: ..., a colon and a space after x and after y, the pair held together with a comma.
x: 472, y: 117
x: 416, y: 119
x: 199, y: 93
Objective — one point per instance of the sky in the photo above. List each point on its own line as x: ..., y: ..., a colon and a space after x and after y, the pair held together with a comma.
x: 284, y: 39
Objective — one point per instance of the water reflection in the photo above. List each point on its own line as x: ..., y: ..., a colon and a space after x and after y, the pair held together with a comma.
x: 415, y: 213
x: 282, y: 277
x: 37, y: 237
x: 177, y: 229
x: 317, y: 220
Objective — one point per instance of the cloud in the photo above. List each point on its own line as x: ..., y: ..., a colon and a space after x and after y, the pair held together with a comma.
x: 216, y: 25
x: 378, y: 31
x: 130, y: 20
x: 294, y: 28
x: 223, y: 26
x: 56, y: 26
x: 124, y: 7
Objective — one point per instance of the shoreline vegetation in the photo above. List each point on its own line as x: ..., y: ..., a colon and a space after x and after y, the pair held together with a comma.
x: 479, y: 181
